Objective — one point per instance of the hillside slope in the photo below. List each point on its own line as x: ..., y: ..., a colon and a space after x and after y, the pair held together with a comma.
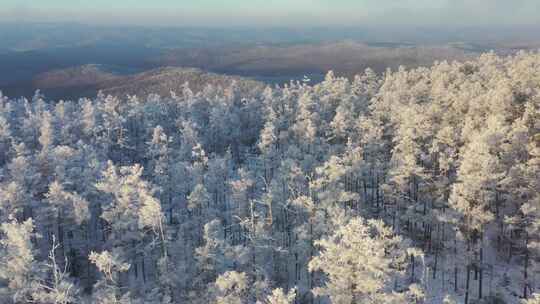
x: 87, y: 80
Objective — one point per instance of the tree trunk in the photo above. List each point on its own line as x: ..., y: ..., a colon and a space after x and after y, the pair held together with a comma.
x: 143, y: 269
x: 467, y: 285
x: 526, y: 266
x: 455, y: 278
x: 412, y: 268
x: 435, y: 263
x: 481, y: 273
x: 455, y: 266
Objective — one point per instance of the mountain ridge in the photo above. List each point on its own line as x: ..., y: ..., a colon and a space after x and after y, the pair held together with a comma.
x: 87, y: 80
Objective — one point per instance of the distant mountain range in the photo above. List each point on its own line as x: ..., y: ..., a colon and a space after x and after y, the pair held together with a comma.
x: 346, y: 58
x: 87, y: 80
x: 65, y: 73
x: 72, y: 60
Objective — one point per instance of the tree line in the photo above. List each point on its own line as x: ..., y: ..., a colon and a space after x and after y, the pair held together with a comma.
x: 412, y: 186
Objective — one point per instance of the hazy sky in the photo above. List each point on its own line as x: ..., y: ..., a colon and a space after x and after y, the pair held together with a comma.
x: 277, y: 12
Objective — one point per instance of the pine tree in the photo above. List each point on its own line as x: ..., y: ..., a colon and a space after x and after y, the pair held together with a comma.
x: 231, y: 288
x: 278, y: 296
x: 61, y: 289
x: 108, y: 290
x: 362, y: 261
x: 19, y: 269
x: 133, y: 215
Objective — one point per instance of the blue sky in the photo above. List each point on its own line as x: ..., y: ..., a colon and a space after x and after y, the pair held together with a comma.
x: 276, y: 12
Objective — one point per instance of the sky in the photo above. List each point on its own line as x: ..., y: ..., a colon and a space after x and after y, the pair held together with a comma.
x: 276, y: 12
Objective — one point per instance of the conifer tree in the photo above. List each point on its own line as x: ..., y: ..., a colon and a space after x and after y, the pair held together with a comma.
x: 362, y: 261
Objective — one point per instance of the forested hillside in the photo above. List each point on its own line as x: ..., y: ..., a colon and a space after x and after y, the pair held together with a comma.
x: 414, y: 186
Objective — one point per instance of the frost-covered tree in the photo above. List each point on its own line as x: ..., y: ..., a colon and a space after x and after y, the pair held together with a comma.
x: 535, y: 299
x: 66, y: 212
x: 278, y: 296
x: 133, y: 216
x: 217, y: 255
x: 231, y: 288
x: 20, y: 272
x: 362, y: 261
x: 107, y: 290
x: 61, y: 288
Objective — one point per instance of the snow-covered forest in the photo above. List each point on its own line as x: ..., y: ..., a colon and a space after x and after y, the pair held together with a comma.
x: 414, y: 186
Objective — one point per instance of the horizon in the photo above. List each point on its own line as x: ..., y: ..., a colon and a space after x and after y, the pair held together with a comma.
x: 417, y: 34
x: 305, y: 27
x: 302, y: 13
